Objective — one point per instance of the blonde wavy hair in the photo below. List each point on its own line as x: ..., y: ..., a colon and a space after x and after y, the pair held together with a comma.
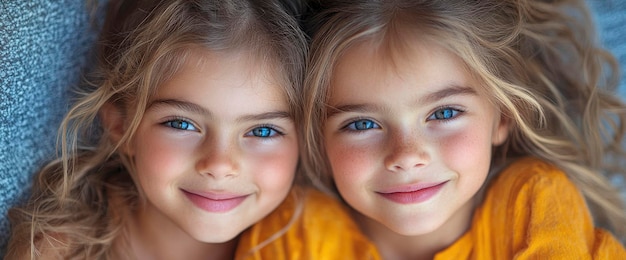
x: 539, y: 60
x: 79, y: 201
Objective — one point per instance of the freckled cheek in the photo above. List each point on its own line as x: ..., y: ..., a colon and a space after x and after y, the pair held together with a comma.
x: 350, y: 161
x: 468, y: 148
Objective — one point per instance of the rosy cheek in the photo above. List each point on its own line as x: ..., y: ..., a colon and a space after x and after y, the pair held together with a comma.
x: 457, y: 144
x: 159, y: 154
x: 468, y: 147
x: 349, y: 161
x: 277, y: 168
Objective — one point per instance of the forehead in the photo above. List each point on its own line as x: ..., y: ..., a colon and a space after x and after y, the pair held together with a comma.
x: 410, y: 72
x: 236, y: 68
x: 400, y: 45
x: 380, y: 59
x: 223, y: 78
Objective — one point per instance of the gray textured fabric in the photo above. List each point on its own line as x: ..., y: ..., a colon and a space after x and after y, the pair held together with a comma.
x: 43, y: 49
x: 44, y: 46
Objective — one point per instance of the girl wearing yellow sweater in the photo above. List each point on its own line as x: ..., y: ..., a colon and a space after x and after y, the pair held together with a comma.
x: 468, y: 129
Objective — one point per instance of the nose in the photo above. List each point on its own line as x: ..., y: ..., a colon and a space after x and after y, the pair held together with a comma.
x: 406, y: 152
x: 217, y: 160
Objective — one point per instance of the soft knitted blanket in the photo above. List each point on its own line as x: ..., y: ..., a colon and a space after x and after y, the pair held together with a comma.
x: 44, y: 48
x: 610, y: 17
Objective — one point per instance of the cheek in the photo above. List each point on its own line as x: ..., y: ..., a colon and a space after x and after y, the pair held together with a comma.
x: 159, y: 158
x: 350, y: 162
x: 461, y: 146
x: 468, y: 151
x: 274, y: 170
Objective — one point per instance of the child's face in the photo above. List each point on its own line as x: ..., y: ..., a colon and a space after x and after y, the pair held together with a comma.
x: 216, y: 150
x: 409, y: 137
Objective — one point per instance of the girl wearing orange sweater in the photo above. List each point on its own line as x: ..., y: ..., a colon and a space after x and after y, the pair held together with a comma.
x: 468, y: 129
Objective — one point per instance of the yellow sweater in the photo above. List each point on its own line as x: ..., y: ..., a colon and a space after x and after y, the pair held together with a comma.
x: 533, y: 211
x: 324, y: 230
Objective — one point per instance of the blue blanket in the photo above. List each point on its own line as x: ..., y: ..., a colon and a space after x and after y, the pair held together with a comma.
x: 610, y: 16
x: 44, y: 47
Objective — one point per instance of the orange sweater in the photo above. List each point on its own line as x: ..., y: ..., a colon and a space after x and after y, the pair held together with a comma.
x: 532, y: 210
x: 324, y: 230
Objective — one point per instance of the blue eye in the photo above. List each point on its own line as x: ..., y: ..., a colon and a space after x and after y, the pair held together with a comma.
x: 263, y: 132
x: 180, y: 124
x: 444, y: 114
x: 362, y: 124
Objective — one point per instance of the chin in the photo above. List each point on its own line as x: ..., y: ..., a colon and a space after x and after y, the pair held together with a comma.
x: 217, y: 239
x: 414, y: 227
x: 214, y: 236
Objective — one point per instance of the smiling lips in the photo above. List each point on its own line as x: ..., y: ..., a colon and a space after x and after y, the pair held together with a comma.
x: 413, y: 193
x: 215, y: 202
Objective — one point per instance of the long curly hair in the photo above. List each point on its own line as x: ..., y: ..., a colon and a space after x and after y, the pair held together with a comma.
x: 80, y: 201
x: 541, y: 64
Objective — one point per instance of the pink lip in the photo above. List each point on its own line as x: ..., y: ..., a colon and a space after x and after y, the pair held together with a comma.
x: 215, y: 202
x: 412, y: 193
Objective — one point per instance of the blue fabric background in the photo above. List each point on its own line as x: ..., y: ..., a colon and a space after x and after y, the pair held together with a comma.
x: 44, y: 47
x: 610, y: 18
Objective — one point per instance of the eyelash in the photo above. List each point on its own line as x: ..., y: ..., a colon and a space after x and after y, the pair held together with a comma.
x: 352, y: 127
x: 454, y: 114
x: 348, y: 128
x: 272, y: 129
x: 180, y: 121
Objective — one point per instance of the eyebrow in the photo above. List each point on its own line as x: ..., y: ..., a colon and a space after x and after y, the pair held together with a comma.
x: 183, y: 105
x: 452, y: 90
x: 266, y: 116
x: 197, y: 109
x: 362, y: 108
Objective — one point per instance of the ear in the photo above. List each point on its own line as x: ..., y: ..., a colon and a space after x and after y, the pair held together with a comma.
x: 113, y: 119
x: 501, y: 130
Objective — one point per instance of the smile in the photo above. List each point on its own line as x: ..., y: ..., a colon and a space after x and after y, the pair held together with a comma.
x: 215, y: 203
x: 413, y: 193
